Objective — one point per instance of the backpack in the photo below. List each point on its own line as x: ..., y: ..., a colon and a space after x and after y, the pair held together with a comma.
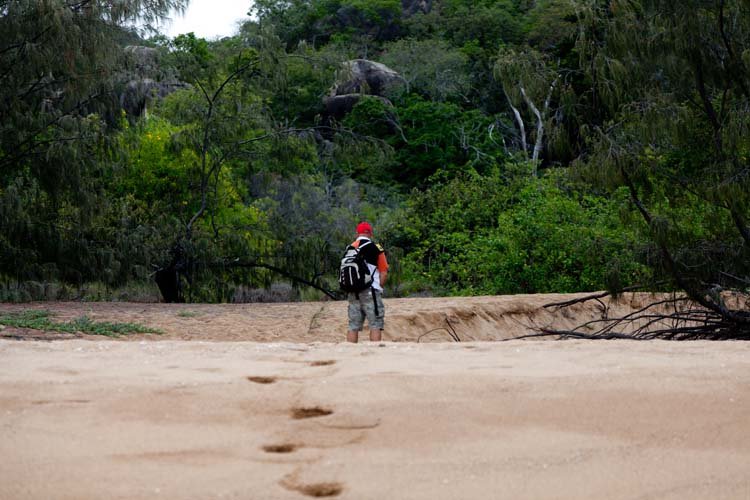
x: 354, y: 274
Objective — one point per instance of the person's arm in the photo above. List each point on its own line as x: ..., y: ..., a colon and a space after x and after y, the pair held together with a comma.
x: 383, y: 268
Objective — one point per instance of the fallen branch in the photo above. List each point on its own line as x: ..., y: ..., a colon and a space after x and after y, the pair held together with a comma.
x: 572, y: 334
x: 453, y: 330
x: 599, y: 295
x: 297, y: 279
x: 674, y: 318
x: 435, y: 330
x: 450, y: 330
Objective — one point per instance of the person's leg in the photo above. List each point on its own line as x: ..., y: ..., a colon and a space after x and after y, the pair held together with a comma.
x: 356, y: 318
x: 375, y: 315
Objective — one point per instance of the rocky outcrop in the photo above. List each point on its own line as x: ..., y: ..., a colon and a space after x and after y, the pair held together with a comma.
x: 362, y: 76
x: 411, y: 7
x: 357, y: 78
x: 139, y: 93
x: 143, y: 80
x: 142, y: 61
x: 338, y: 106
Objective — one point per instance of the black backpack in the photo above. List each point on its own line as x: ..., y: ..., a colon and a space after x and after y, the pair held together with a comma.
x: 354, y: 274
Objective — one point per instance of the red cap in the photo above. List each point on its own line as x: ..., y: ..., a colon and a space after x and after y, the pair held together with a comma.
x: 364, y: 228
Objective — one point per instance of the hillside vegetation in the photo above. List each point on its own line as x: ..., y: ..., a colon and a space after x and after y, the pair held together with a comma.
x: 522, y: 147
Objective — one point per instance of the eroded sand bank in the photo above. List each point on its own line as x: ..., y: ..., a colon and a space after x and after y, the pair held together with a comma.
x: 407, y: 320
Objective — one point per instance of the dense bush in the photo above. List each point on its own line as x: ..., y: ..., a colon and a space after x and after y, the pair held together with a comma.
x: 513, y: 233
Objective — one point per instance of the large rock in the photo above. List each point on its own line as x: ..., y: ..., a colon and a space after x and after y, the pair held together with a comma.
x: 362, y: 76
x: 358, y: 78
x: 142, y: 61
x: 144, y: 80
x: 411, y: 7
x: 338, y: 106
x: 139, y: 93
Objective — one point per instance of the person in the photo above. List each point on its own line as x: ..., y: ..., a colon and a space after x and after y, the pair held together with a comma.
x: 368, y: 303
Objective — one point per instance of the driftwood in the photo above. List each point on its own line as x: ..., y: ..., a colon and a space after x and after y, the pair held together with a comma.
x: 677, y: 317
x: 450, y: 330
x: 600, y: 295
x: 335, y: 295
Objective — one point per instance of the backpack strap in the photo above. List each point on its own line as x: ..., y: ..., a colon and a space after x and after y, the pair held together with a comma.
x: 360, y: 247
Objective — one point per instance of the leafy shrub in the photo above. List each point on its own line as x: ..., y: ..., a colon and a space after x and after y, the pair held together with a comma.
x: 497, y: 234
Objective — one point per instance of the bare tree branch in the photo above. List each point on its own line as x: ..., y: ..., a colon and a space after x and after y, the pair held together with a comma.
x: 519, y: 121
x: 283, y: 272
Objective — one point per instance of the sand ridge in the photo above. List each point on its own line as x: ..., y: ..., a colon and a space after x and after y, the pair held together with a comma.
x: 407, y: 320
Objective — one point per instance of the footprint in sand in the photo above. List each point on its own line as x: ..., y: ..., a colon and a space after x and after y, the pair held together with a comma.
x: 281, y: 448
x: 321, y: 490
x: 326, y: 362
x: 60, y: 401
x: 262, y: 380
x: 316, y: 490
x: 303, y: 412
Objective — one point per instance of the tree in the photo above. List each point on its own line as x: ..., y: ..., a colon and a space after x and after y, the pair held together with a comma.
x: 552, y: 27
x: 508, y: 232
x: 224, y: 130
x: 316, y: 22
x: 529, y: 79
x: 58, y: 64
x: 430, y: 68
x: 674, y: 79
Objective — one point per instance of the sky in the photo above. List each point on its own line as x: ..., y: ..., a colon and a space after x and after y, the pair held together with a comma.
x: 208, y: 18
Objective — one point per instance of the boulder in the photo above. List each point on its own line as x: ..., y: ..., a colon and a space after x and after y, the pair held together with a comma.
x: 411, y: 7
x: 144, y: 80
x: 358, y: 78
x: 338, y: 106
x: 139, y: 93
x: 362, y: 76
x: 142, y: 61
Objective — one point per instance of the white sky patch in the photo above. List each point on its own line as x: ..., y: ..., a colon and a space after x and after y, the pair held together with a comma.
x: 208, y: 18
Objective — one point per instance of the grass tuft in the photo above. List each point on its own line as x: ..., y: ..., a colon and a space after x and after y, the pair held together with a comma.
x: 189, y: 314
x: 41, y: 320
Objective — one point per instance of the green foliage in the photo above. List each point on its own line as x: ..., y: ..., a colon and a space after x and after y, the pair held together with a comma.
x: 490, y: 23
x: 527, y: 69
x: 60, y: 64
x: 296, y: 83
x: 313, y: 218
x: 442, y: 138
x: 192, y: 56
x: 371, y: 116
x: 319, y: 21
x: 672, y: 79
x: 40, y: 320
x: 57, y: 64
x: 501, y: 234
x: 242, y: 170
x: 430, y: 68
x: 553, y: 27
x: 157, y: 172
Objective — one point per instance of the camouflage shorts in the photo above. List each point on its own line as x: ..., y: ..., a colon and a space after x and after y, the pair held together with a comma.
x: 369, y: 305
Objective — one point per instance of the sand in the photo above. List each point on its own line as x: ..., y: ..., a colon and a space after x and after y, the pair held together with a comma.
x: 215, y: 417
x: 407, y: 320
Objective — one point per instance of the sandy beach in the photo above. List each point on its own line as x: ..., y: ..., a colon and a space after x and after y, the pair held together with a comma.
x: 216, y: 418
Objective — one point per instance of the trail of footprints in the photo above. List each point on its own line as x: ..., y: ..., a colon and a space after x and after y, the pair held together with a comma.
x: 316, y: 490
